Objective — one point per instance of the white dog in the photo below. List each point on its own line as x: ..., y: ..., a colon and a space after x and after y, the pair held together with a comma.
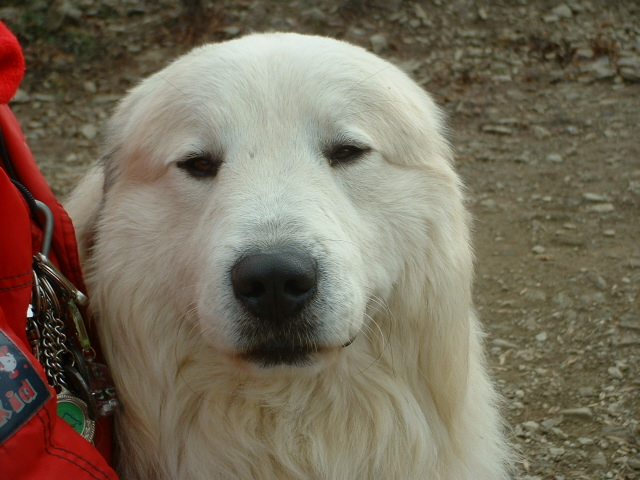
x: 278, y: 258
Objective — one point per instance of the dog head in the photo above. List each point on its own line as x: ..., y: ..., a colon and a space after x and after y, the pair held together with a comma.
x: 278, y: 190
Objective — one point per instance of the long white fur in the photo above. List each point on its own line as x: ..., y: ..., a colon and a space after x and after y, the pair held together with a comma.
x: 410, y: 398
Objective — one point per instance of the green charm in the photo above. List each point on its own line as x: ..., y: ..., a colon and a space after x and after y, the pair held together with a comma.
x: 75, y: 412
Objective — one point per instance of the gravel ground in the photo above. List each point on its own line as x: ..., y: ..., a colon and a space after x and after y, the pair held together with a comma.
x: 544, y: 106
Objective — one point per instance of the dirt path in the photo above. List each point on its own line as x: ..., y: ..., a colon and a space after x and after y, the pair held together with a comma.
x: 544, y: 103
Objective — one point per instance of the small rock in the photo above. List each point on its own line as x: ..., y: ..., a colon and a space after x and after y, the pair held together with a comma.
x: 66, y: 9
x: 585, y: 441
x: 535, y: 295
x: 615, y: 372
x: 379, y: 43
x: 550, y: 423
x: 556, y: 451
x: 531, y: 426
x: 89, y: 131
x: 562, y: 11
x: 601, y: 208
x: 630, y: 74
x: 490, y: 204
x: 597, y: 280
x: 634, y: 463
x: 568, y: 238
x: 232, y: 31
x: 599, y: 459
x: 593, y: 299
x: 538, y: 249
x: 609, y: 233
x: 554, y: 158
x: 563, y: 300
x: 503, y: 343
x: 90, y: 87
x: 584, y: 53
x: 422, y: 15
x: 586, y: 391
x: 316, y: 15
x: 21, y: 96
x: 540, y: 132
x: 497, y: 129
x: 541, y: 337
x: 629, y: 68
x: 580, y: 412
x: 600, y: 69
x: 630, y: 320
x: 595, y: 198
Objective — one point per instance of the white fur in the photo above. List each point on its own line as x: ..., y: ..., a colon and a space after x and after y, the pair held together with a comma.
x: 410, y: 397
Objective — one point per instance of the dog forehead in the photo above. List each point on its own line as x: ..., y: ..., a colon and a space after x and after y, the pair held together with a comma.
x: 286, y: 79
x: 276, y: 70
x: 289, y: 55
x: 276, y: 87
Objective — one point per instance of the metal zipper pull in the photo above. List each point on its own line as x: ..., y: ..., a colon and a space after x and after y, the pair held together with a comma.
x: 53, y: 302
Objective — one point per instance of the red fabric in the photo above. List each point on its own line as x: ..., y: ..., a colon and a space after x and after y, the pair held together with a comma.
x: 11, y: 64
x: 45, y: 447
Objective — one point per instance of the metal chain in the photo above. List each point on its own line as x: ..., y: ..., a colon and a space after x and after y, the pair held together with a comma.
x: 46, y: 330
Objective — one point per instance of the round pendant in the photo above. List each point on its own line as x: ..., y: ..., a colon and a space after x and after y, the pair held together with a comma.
x: 75, y: 412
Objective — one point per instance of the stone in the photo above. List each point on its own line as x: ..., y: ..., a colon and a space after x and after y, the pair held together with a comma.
x: 379, y: 43
x: 232, y: 30
x: 90, y: 86
x: 556, y: 451
x: 550, y: 423
x: 584, y: 53
x: 20, y: 96
x: 586, y: 391
x: 629, y: 68
x: 540, y: 132
x: 554, y: 158
x: 601, y: 208
x: 69, y: 10
x: 535, y: 295
x: 562, y: 11
x: 541, y: 337
x: 600, y: 69
x: 531, y: 426
x: 597, y: 280
x: 615, y: 372
x: 89, y: 131
x: 630, y: 74
x: 497, y: 129
x: 503, y: 343
x: 599, y: 460
x: 595, y: 198
x: 562, y: 299
x: 580, y: 412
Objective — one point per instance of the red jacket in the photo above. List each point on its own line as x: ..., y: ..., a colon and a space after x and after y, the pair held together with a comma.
x: 34, y: 442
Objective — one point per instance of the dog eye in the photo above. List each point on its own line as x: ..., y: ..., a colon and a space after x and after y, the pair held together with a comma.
x: 345, y: 154
x: 200, y: 166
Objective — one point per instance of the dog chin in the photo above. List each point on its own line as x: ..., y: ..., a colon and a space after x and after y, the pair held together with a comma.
x: 279, y: 356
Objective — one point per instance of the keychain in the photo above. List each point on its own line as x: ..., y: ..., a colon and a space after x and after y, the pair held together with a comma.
x: 84, y: 387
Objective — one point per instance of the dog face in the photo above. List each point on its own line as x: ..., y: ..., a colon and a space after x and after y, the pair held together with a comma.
x: 283, y: 188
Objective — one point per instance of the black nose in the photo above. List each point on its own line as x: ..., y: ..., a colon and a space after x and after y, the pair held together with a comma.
x: 275, y: 286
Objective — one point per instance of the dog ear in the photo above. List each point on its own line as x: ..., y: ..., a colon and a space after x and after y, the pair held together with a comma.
x: 84, y: 205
